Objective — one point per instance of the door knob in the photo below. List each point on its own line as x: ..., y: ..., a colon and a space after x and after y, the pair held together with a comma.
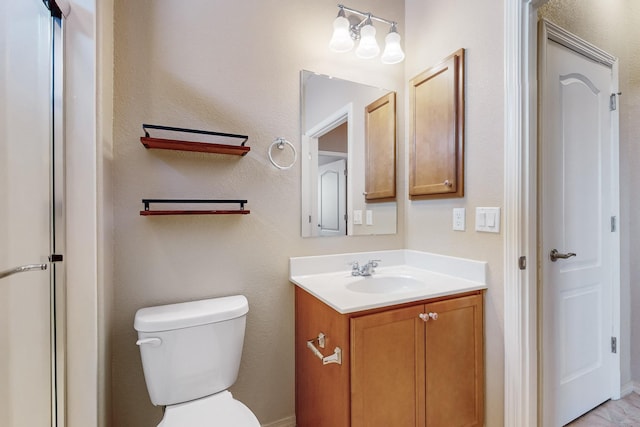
x: 554, y: 255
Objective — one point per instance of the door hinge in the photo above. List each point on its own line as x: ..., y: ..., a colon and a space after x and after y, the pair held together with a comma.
x: 522, y: 263
x: 614, y: 345
x: 55, y: 258
x: 613, y: 103
x: 613, y: 224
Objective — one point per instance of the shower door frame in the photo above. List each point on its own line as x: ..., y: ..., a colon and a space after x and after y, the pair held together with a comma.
x: 58, y: 231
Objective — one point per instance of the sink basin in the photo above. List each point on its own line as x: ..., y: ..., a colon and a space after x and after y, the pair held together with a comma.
x: 385, y: 284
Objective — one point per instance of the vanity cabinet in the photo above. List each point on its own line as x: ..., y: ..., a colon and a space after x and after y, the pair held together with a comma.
x: 397, y: 369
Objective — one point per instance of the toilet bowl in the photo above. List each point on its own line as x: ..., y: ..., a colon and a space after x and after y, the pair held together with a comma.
x: 220, y: 409
x: 190, y: 356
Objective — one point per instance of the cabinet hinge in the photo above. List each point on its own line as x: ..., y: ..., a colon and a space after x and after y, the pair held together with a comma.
x: 614, y: 345
x: 522, y: 263
x: 613, y: 224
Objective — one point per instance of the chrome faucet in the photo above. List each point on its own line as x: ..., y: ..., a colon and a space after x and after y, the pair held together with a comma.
x: 365, y: 270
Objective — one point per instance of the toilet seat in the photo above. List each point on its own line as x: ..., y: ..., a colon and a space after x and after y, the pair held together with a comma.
x: 217, y: 410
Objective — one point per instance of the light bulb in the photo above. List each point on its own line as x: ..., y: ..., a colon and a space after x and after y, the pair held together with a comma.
x: 368, y: 46
x: 392, y: 50
x: 341, y: 40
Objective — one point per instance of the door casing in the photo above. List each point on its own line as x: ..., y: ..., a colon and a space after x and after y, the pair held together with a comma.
x: 520, y: 226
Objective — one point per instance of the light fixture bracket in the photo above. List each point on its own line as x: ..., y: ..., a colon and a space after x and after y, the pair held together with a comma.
x: 365, y: 18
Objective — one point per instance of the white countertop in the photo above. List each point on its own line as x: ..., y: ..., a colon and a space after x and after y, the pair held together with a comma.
x: 329, y: 278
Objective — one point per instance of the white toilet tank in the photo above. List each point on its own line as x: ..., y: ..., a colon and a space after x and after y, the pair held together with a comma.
x: 190, y: 350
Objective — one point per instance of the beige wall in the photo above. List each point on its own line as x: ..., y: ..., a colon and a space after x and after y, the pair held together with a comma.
x: 196, y: 67
x: 231, y: 67
x: 435, y: 30
x: 614, y: 27
x: 235, y: 68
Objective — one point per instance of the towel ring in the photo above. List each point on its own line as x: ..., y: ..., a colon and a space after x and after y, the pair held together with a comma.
x: 280, y: 143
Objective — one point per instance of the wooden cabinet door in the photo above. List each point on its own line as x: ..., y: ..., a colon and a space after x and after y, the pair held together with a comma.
x: 387, y: 369
x: 436, y: 164
x: 380, y: 138
x: 322, y: 391
x: 454, y: 363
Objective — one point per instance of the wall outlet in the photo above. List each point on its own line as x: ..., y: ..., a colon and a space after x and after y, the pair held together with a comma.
x: 357, y: 217
x: 459, y: 219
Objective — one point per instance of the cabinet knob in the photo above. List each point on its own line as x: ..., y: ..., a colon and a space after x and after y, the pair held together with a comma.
x: 448, y: 183
x: 427, y: 316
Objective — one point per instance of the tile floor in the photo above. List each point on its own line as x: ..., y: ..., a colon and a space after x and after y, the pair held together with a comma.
x: 624, y: 412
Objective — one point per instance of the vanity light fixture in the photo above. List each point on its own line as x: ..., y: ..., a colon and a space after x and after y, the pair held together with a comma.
x: 341, y: 40
x: 368, y: 47
x: 392, y: 50
x: 359, y: 26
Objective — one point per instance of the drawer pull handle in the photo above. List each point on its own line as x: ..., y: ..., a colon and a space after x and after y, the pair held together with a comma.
x: 428, y: 316
x: 336, y: 357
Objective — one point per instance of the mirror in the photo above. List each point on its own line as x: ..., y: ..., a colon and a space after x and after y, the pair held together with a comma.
x: 334, y: 159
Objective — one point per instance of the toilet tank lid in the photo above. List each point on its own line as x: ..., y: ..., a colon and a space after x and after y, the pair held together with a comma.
x: 189, y: 314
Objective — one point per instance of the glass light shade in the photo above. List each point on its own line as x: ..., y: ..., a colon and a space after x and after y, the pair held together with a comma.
x: 392, y: 50
x: 341, y: 40
x: 368, y: 46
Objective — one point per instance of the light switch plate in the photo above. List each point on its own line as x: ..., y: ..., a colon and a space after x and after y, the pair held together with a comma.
x: 459, y: 219
x: 488, y: 220
x: 357, y: 217
x: 369, y: 218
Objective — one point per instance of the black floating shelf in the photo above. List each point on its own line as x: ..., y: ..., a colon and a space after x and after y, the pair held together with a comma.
x: 149, y: 212
x: 204, y: 147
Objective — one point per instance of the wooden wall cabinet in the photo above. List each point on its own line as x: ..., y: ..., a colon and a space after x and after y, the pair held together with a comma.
x: 436, y: 164
x: 397, y: 369
x: 380, y: 142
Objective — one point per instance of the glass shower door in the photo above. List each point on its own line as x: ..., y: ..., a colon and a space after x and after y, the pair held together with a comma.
x: 27, y: 362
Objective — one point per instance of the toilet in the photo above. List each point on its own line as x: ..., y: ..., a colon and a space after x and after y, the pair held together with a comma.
x: 191, y: 355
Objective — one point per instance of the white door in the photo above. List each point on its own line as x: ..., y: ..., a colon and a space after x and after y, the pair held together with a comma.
x: 25, y: 222
x: 332, y: 199
x: 578, y: 198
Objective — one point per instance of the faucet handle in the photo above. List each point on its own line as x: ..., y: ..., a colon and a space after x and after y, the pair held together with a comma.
x: 374, y: 262
x: 355, y: 268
